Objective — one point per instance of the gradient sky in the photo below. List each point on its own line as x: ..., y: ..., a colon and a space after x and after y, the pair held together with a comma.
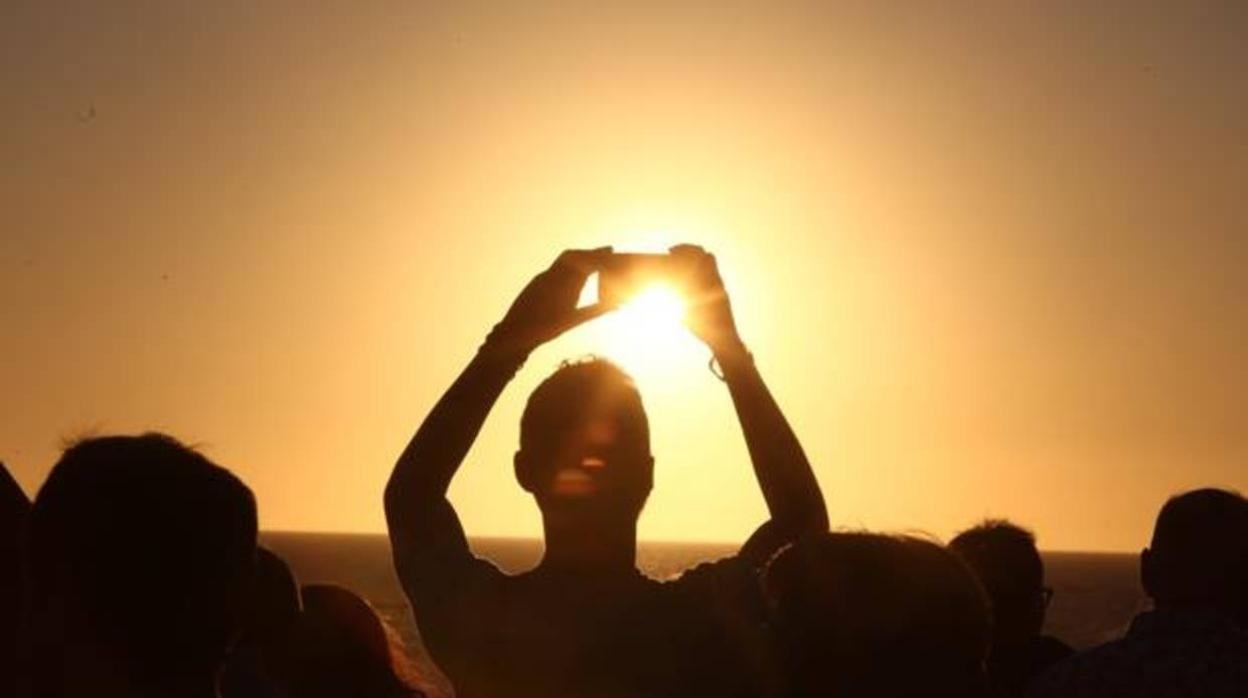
x: 990, y: 256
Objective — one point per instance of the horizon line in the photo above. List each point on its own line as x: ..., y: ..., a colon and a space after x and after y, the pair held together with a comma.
x: 653, y: 541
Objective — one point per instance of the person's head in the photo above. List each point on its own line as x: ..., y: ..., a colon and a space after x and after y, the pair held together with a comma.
x: 1198, y: 557
x: 861, y: 614
x: 1004, y: 558
x: 14, y: 507
x: 275, y: 602
x: 141, y: 555
x: 261, y: 662
x: 345, y: 649
x: 585, y: 442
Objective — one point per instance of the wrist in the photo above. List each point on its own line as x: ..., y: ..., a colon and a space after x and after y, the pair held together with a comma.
x: 730, y: 360
x: 730, y: 350
x: 502, y: 349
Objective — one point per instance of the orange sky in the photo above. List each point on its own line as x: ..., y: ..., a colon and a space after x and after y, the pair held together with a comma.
x: 990, y: 262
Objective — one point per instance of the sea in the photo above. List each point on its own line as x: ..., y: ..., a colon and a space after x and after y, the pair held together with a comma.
x: 1095, y: 594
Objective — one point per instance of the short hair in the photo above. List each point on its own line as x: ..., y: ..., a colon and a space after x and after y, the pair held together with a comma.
x: 1199, y: 549
x: 1003, y: 556
x: 576, y: 391
x: 862, y: 614
x: 152, y: 546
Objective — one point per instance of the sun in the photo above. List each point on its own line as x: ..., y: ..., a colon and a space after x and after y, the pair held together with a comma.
x: 656, y: 310
x: 647, y: 335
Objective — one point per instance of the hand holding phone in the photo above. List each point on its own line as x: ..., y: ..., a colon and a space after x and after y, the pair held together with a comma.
x: 690, y: 271
x: 622, y: 276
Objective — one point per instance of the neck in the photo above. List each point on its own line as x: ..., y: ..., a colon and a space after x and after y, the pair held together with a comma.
x: 594, y: 547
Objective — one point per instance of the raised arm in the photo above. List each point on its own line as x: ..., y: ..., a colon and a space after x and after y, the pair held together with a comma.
x: 425, y: 534
x: 784, y: 475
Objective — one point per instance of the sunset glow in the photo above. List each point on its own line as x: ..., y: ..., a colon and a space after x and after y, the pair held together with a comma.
x: 989, y: 261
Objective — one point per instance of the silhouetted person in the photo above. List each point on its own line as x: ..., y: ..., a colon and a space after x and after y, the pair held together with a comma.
x: 585, y: 621
x: 862, y: 615
x: 1193, y: 643
x: 141, y: 554
x: 260, y: 664
x: 1005, y: 559
x: 14, y: 507
x: 345, y: 649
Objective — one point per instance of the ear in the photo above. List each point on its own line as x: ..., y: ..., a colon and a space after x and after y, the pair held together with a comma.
x: 524, y: 473
x: 1148, y: 573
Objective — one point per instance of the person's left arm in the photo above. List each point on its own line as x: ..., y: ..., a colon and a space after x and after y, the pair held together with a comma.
x: 784, y: 475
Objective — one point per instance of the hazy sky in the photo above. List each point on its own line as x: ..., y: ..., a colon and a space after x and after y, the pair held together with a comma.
x: 990, y: 257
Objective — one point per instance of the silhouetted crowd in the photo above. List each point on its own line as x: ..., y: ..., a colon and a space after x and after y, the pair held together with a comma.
x: 136, y: 570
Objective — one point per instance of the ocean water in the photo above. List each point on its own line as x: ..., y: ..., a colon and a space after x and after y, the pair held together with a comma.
x: 1095, y: 594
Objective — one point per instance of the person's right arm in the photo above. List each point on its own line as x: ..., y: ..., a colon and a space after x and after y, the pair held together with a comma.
x: 428, y: 543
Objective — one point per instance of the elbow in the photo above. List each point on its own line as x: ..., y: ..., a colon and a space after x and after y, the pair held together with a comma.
x: 393, y: 499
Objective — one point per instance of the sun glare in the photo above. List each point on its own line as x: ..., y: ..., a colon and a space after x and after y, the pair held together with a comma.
x: 658, y: 308
x: 647, y: 335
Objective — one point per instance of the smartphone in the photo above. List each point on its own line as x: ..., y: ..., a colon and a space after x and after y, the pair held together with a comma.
x: 623, y: 275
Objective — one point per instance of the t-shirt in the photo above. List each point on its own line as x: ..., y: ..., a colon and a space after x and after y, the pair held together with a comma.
x: 546, y: 633
x: 1165, y: 654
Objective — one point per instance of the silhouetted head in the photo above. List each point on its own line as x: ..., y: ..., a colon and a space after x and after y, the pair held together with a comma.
x: 1199, y: 554
x: 14, y: 507
x: 1004, y: 558
x: 585, y: 442
x: 275, y: 603
x: 261, y: 662
x: 345, y: 649
x: 141, y: 557
x: 860, y: 614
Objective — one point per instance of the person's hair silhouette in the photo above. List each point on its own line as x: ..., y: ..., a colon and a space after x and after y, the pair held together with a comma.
x: 585, y: 621
x: 343, y: 648
x: 862, y: 614
x: 141, y: 557
x: 1005, y: 559
x: 1198, y: 557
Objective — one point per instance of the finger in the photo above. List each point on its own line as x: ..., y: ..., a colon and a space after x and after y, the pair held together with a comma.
x: 586, y: 261
x: 686, y: 250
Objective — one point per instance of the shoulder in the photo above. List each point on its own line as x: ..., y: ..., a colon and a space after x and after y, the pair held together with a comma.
x: 1090, y: 673
x: 708, y: 576
x: 725, y: 590
x: 439, y: 579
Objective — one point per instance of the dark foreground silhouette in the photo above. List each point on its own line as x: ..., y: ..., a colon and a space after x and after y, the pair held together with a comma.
x: 1004, y: 558
x: 14, y: 507
x: 262, y: 663
x: 585, y: 621
x: 1195, y: 640
x: 862, y: 615
x: 345, y: 649
x: 141, y: 556
x: 136, y: 571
